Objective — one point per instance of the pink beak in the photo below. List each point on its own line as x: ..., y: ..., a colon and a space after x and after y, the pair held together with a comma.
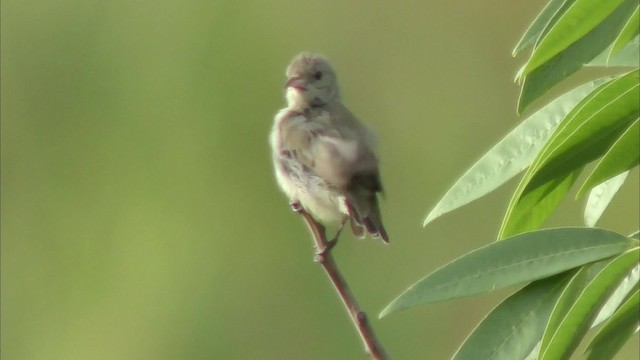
x: 296, y: 83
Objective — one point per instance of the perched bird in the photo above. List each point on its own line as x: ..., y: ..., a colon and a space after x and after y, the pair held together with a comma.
x: 323, y: 156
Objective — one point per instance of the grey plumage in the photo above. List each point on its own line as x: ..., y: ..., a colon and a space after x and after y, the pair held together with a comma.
x: 323, y: 156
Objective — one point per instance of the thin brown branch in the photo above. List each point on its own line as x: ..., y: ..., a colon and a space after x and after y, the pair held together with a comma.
x: 372, y: 345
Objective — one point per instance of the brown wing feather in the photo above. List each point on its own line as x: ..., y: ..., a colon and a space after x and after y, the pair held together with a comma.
x: 362, y: 197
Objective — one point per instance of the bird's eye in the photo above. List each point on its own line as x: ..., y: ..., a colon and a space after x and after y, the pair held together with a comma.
x: 317, y: 75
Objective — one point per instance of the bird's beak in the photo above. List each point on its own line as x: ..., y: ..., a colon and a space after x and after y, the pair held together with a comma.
x: 296, y: 83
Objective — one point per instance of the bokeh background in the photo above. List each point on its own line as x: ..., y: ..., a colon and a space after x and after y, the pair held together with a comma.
x: 140, y: 217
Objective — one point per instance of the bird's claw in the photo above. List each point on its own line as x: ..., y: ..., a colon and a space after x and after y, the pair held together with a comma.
x: 321, y: 253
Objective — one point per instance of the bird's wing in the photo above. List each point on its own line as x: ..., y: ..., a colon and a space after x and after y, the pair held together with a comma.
x: 362, y: 202
x: 320, y: 147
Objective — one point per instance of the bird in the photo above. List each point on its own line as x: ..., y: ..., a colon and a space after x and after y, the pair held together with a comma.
x: 324, y: 158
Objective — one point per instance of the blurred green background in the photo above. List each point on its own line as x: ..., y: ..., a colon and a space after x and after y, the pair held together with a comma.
x: 140, y: 216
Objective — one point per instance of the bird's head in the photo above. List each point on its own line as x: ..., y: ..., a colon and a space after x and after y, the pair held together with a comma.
x: 311, y: 81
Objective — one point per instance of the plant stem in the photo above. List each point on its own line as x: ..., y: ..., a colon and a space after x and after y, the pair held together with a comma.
x: 372, y: 345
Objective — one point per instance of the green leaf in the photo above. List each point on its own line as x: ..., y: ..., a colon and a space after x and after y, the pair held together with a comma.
x: 626, y: 286
x: 635, y: 235
x: 616, y: 331
x: 600, y: 197
x: 586, y: 133
x: 578, y: 278
x: 570, y: 60
x: 591, y: 127
x: 523, y: 258
x: 576, y: 284
x: 629, y: 56
x: 512, y: 154
x: 566, y: 299
x: 535, y: 206
x: 533, y: 355
x: 623, y: 155
x: 514, y: 327
x: 564, y: 338
x: 542, y: 21
x: 628, y: 32
x: 582, y: 17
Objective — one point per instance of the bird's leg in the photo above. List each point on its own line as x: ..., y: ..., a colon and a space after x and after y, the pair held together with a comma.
x: 331, y: 243
x: 317, y: 230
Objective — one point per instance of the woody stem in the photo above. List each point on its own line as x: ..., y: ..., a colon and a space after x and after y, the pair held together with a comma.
x: 359, y: 319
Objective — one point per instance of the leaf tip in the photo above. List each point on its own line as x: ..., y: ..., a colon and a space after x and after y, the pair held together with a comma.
x: 519, y: 76
x: 430, y: 217
x: 394, y: 306
x: 523, y: 102
x: 386, y: 311
x: 515, y: 51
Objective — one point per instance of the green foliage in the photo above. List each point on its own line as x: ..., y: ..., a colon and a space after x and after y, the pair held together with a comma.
x: 538, y: 26
x: 617, y: 330
x: 586, y: 133
x: 621, y: 156
x: 579, y: 277
x: 512, y: 154
x: 576, y: 22
x: 627, y: 57
x: 513, y: 328
x: 600, y: 197
x: 541, y: 78
x: 560, y: 341
x: 523, y: 258
x: 629, y: 31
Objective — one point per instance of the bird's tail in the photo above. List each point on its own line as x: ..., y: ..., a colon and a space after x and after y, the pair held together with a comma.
x: 364, y: 213
x: 356, y: 227
x: 373, y: 222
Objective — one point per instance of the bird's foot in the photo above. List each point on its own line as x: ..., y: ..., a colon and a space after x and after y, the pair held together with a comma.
x: 320, y: 255
x: 328, y: 245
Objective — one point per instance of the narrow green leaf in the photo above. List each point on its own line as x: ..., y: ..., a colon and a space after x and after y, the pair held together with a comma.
x: 566, y: 299
x: 623, y: 155
x: 512, y: 154
x: 592, y: 127
x: 579, y: 277
x: 629, y: 56
x: 513, y: 328
x: 626, y: 286
x: 533, y: 355
x: 570, y: 60
x: 576, y: 285
x: 574, y: 325
x: 523, y: 258
x: 628, y: 32
x: 600, y: 197
x: 635, y: 235
x: 582, y: 17
x: 541, y: 22
x: 616, y: 331
x: 536, y: 205
x: 586, y: 133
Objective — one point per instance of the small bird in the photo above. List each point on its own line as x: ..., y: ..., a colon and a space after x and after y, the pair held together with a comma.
x: 323, y: 156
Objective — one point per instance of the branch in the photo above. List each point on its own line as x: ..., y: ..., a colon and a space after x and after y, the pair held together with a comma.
x: 372, y: 345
